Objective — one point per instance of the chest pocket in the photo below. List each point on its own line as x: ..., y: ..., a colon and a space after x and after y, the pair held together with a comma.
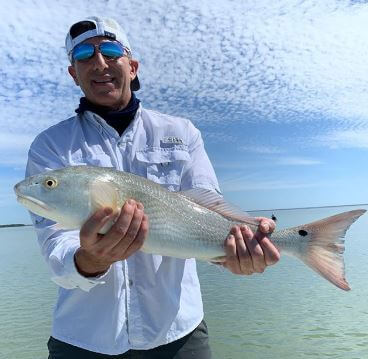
x: 97, y: 158
x: 163, y: 165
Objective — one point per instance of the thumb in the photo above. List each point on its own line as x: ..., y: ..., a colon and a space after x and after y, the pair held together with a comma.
x: 89, y: 232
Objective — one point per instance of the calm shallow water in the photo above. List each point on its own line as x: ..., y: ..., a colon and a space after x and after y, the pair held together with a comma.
x: 287, y: 312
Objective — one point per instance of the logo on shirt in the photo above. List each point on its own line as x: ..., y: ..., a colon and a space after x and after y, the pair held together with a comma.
x: 172, y: 140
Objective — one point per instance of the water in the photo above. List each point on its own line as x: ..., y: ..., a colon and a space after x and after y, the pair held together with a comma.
x: 287, y: 312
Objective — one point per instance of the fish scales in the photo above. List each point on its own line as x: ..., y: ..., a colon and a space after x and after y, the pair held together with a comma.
x: 170, y: 216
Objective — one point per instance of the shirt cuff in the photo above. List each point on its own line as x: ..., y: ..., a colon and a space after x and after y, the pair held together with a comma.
x: 71, y: 278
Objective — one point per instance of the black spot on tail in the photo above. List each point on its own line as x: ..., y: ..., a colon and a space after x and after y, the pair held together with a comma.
x: 303, y: 233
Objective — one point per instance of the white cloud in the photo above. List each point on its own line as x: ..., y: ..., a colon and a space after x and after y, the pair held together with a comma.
x: 296, y: 161
x: 264, y: 162
x: 240, y: 185
x: 280, y: 61
x: 345, y: 139
x: 218, y: 137
x: 266, y: 150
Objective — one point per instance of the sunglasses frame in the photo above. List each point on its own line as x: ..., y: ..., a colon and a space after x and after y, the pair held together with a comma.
x: 107, y: 57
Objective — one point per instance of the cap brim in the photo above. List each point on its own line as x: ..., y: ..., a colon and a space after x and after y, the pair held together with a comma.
x: 135, y: 84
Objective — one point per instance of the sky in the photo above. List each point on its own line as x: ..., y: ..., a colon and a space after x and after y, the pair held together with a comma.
x: 278, y: 89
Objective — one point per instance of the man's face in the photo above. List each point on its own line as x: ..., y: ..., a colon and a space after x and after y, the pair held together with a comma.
x: 105, y: 82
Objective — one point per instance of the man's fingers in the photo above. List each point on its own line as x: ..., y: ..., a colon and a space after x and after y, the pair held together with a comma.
x: 232, y: 262
x: 90, y: 228
x: 255, y: 251
x: 246, y: 252
x: 246, y: 264
x: 124, y: 237
x: 266, y: 225
x: 271, y: 253
x: 120, y: 227
x: 131, y: 234
x: 139, y: 239
x: 135, y: 223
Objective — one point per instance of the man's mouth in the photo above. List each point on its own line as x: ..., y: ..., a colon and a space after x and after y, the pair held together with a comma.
x: 103, y: 81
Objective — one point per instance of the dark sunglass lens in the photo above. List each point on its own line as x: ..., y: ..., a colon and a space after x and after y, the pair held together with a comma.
x: 83, y: 51
x: 111, y: 49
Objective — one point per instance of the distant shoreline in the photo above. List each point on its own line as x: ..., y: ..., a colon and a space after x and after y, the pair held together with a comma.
x: 14, y: 225
x: 298, y: 208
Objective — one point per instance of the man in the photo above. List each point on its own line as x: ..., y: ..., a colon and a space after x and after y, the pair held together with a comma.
x: 114, y: 300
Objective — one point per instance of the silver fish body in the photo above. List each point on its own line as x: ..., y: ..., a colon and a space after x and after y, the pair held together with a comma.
x: 193, y: 224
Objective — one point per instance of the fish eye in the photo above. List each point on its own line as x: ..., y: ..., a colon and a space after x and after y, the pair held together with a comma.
x: 50, y: 183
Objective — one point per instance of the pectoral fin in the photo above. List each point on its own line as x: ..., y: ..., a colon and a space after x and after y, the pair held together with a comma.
x: 104, y: 194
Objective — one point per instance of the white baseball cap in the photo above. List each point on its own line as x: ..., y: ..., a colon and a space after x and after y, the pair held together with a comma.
x: 95, y: 26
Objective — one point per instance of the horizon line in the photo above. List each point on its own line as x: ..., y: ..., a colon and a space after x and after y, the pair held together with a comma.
x: 312, y: 207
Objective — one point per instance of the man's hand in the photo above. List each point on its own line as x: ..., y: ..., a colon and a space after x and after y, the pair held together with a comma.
x: 126, y: 236
x: 248, y: 253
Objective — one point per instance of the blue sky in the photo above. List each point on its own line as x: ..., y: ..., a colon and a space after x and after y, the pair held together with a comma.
x: 277, y: 88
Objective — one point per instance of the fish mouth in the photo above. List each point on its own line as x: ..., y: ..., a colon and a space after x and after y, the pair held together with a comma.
x: 30, y: 202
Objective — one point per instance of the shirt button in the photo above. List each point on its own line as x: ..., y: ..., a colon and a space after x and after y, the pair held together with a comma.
x: 130, y: 282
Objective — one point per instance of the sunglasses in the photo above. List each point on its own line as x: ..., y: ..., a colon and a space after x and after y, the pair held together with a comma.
x: 109, y: 49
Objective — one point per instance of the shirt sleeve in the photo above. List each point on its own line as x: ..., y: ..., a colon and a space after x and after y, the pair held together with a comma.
x: 57, y: 246
x: 198, y: 173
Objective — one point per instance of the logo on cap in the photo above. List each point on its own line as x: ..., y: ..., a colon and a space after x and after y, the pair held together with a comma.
x: 110, y: 35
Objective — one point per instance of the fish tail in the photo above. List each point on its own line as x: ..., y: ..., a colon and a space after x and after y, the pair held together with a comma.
x: 324, y: 251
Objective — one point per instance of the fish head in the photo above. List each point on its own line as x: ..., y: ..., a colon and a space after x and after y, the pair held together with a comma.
x: 60, y: 195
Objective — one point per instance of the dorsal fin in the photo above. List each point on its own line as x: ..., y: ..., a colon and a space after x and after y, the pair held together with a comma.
x: 215, y: 202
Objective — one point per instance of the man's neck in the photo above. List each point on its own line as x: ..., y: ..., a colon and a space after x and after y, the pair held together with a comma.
x: 111, y: 108
x: 119, y: 119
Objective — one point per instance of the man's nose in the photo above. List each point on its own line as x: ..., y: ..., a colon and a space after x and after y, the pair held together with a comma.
x: 99, y: 62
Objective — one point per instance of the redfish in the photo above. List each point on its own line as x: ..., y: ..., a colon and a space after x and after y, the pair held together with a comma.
x: 189, y: 224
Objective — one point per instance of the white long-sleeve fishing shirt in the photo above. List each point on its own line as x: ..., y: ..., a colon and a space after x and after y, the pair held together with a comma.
x: 146, y: 300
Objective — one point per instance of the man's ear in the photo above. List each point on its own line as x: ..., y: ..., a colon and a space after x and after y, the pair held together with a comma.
x: 133, y: 68
x: 73, y: 74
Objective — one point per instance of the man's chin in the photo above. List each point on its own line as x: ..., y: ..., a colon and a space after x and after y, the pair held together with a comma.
x: 106, y: 100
